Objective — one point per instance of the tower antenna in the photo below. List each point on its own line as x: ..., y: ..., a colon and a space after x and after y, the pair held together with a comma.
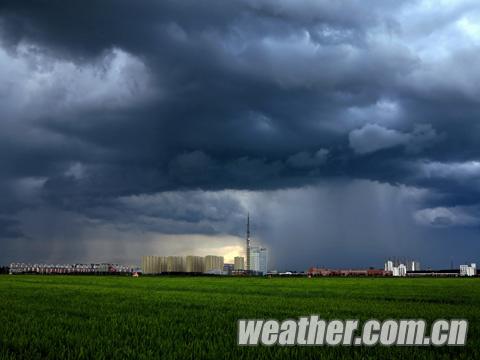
x: 248, y: 242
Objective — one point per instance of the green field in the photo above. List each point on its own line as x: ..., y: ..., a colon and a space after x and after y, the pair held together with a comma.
x: 88, y: 317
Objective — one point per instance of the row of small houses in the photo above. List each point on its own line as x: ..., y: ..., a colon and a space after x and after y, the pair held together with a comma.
x: 400, y: 271
x: 116, y: 269
x: 104, y: 268
x: 347, y: 272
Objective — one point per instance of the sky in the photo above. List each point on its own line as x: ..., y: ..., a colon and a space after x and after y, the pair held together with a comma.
x: 349, y: 130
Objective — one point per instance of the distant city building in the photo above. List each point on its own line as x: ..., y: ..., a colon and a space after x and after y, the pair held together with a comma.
x: 263, y: 261
x: 239, y: 263
x: 213, y: 264
x: 466, y: 270
x: 228, y: 269
x: 398, y: 268
x: 210, y: 264
x: 254, y: 259
x: 434, y: 273
x: 154, y: 264
x: 313, y: 271
x: 258, y: 260
x: 175, y: 264
x: 103, y: 268
x: 413, y: 266
x: 195, y: 264
x: 389, y: 265
x: 395, y: 271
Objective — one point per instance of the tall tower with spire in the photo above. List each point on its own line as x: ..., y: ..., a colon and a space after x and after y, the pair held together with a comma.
x: 248, y: 243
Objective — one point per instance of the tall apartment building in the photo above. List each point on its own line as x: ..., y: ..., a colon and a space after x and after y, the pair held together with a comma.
x: 238, y: 263
x: 175, y: 264
x: 413, y: 265
x: 400, y: 270
x: 389, y: 265
x: 154, y: 264
x: 393, y: 266
x: 258, y: 260
x: 195, y: 264
x: 147, y: 265
x: 466, y: 270
x: 213, y: 264
x: 263, y: 261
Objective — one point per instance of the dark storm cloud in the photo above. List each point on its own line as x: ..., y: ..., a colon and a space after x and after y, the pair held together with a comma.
x: 91, y: 27
x: 9, y: 228
x: 101, y: 101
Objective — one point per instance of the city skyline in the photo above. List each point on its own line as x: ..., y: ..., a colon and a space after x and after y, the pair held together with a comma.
x: 259, y: 259
x: 347, y: 129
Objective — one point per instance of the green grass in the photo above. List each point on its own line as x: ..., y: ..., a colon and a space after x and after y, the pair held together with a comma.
x: 88, y: 317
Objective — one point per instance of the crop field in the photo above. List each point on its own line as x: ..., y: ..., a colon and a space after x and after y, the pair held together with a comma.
x: 88, y: 317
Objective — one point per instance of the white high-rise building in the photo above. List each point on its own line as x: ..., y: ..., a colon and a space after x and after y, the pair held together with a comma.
x: 413, y: 265
x: 254, y: 258
x: 263, y: 261
x: 258, y: 260
x: 398, y: 268
x: 389, y: 265
x: 466, y: 270
x: 402, y: 270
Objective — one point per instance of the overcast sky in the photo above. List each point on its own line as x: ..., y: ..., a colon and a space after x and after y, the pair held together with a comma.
x: 350, y: 130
